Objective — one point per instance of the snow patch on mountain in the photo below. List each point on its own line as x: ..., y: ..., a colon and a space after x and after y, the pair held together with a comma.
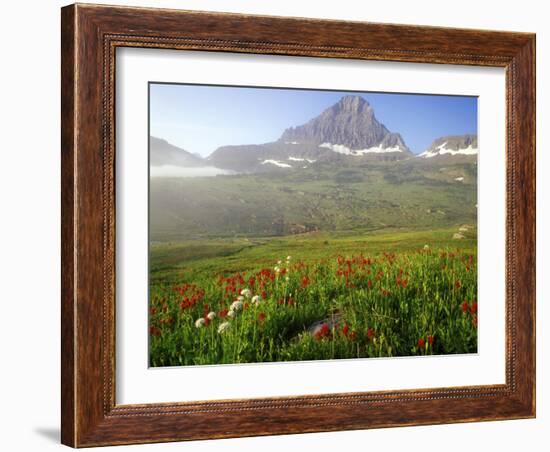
x: 442, y: 150
x: 298, y: 159
x: 341, y: 149
x: 276, y: 163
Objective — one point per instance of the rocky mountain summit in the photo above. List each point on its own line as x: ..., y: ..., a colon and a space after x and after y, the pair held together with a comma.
x: 349, y: 127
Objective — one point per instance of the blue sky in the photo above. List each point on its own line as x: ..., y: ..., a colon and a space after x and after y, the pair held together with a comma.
x: 202, y: 118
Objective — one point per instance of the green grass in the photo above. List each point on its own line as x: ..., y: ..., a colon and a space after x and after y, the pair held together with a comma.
x: 411, y: 194
x: 379, y: 293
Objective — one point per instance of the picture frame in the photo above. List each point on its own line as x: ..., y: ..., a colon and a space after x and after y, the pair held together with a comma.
x: 90, y: 37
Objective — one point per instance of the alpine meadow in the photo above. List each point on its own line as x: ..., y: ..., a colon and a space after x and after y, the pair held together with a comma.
x: 349, y: 231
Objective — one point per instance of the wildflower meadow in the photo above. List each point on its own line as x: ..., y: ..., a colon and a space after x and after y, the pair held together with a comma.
x: 362, y: 302
x: 306, y: 224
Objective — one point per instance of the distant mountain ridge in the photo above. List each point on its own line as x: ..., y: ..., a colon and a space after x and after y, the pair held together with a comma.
x: 452, y: 145
x: 163, y: 153
x: 347, y: 131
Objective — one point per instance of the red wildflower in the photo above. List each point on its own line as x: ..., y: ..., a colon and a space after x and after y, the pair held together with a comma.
x: 369, y: 284
x: 322, y: 331
x: 345, y: 330
x: 223, y: 313
x: 431, y: 340
x: 261, y: 316
x: 464, y: 306
x: 154, y: 331
x: 264, y: 295
x: 370, y: 333
x: 353, y: 336
x: 473, y: 308
x: 305, y: 282
x: 457, y: 284
x: 421, y: 342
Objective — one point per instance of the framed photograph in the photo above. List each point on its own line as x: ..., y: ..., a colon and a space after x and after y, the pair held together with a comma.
x: 281, y: 225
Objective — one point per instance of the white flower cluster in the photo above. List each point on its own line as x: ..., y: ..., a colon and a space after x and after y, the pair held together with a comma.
x: 223, y: 327
x: 256, y: 299
x: 199, y: 323
x: 277, y: 267
x: 234, y: 309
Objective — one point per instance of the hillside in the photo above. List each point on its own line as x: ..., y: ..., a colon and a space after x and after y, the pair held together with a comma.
x: 411, y: 193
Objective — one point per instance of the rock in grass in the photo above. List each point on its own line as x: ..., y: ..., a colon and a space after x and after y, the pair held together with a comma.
x: 331, y: 322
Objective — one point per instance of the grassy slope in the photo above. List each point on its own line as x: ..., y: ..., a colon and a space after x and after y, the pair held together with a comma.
x: 409, y: 194
x: 186, y: 261
x: 380, y: 324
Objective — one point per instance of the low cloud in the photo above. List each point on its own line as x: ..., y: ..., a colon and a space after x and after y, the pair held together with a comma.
x: 179, y: 171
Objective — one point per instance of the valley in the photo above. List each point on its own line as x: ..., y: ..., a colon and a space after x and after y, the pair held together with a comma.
x: 409, y: 193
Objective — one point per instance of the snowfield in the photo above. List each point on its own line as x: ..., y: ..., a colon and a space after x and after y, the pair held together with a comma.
x: 276, y: 163
x: 441, y: 150
x: 341, y: 149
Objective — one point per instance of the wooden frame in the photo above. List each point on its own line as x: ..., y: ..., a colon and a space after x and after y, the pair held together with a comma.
x: 90, y: 35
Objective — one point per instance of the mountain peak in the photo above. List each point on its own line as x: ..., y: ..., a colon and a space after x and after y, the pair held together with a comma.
x: 352, y: 104
x: 348, y: 124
